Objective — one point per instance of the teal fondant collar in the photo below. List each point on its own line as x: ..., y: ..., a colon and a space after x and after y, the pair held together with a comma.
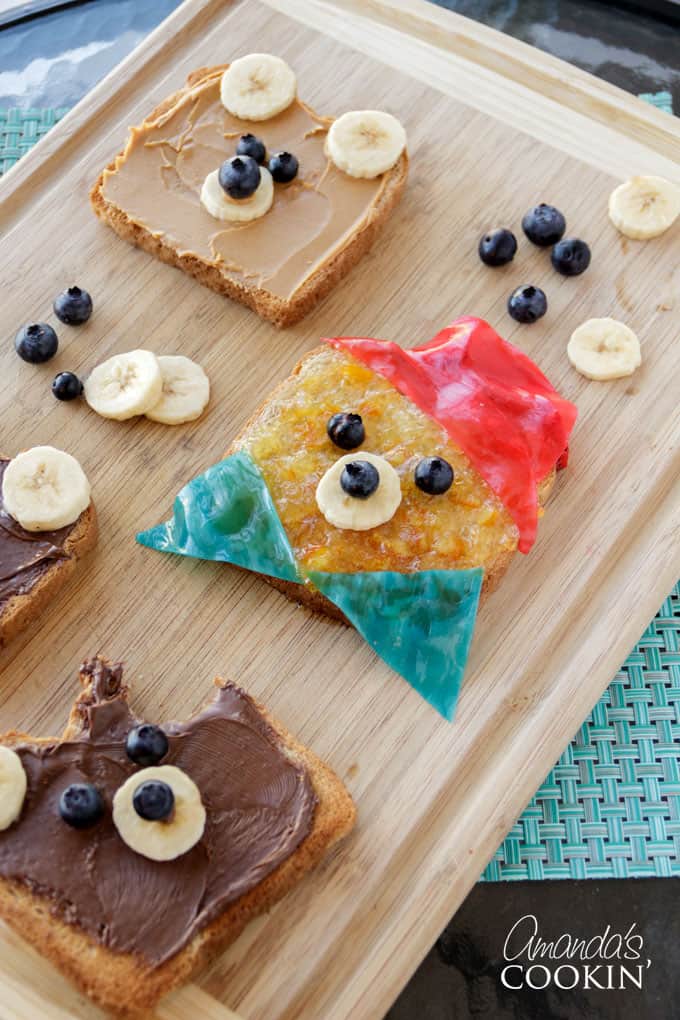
x: 227, y: 514
x: 420, y: 624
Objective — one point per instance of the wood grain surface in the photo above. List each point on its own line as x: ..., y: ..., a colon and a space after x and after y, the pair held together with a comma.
x: 493, y: 128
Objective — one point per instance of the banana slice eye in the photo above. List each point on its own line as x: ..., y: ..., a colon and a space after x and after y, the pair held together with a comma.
x: 12, y: 787
x: 159, y: 813
x: 359, y: 493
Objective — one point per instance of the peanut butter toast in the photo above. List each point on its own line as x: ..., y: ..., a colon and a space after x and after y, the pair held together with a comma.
x: 186, y: 190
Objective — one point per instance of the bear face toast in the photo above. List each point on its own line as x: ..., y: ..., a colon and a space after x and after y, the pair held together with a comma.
x: 388, y: 488
x: 47, y: 523
x: 131, y: 854
x: 240, y: 223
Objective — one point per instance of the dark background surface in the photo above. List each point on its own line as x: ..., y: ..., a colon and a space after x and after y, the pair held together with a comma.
x: 53, y: 60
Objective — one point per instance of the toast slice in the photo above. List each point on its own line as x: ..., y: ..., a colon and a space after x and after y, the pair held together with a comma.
x: 239, y: 265
x: 37, y: 587
x: 129, y: 983
x: 322, y: 374
x: 455, y: 444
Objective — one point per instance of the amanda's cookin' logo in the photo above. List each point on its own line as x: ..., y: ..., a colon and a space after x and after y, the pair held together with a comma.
x: 610, y: 960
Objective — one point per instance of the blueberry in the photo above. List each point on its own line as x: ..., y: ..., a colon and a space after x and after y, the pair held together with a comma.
x: 434, y: 475
x: 359, y: 479
x: 571, y: 257
x: 66, y: 386
x: 283, y: 166
x: 544, y: 225
x: 36, y: 343
x: 250, y: 145
x: 153, y: 800
x: 526, y: 304
x: 146, y: 744
x: 346, y: 430
x: 73, y: 306
x: 498, y: 247
x: 239, y: 176
x: 81, y: 805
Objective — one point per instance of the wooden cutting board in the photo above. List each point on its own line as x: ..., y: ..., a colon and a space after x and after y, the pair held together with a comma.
x: 494, y: 127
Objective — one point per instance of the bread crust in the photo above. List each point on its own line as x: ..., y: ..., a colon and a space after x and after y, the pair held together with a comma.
x: 308, y: 596
x: 124, y: 983
x: 20, y: 610
x: 280, y: 311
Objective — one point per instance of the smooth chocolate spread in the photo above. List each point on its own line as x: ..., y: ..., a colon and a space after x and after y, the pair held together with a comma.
x: 157, y: 183
x: 259, y: 804
x: 25, y: 555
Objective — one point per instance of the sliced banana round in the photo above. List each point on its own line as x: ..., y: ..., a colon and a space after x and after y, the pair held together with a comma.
x: 186, y: 391
x: 258, y: 86
x: 644, y: 207
x: 365, y: 143
x: 604, y: 349
x: 124, y: 386
x: 12, y: 787
x: 45, y: 489
x: 237, y: 210
x: 352, y: 514
x: 167, y: 839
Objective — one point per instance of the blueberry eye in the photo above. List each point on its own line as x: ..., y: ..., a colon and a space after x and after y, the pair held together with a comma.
x: 346, y: 430
x: 154, y: 800
x: 81, y: 805
x: 434, y: 475
x: 359, y: 479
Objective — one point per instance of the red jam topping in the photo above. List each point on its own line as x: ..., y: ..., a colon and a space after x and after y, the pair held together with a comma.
x: 491, y: 399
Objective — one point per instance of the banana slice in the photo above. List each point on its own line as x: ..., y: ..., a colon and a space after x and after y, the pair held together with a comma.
x: 186, y: 391
x: 604, y: 349
x: 237, y: 210
x: 124, y: 386
x: 258, y: 86
x: 644, y: 207
x: 12, y: 787
x: 167, y: 839
x: 45, y: 489
x: 352, y: 514
x: 365, y: 143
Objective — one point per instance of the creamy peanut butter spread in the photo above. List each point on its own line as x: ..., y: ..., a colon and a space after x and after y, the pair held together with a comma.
x: 157, y: 183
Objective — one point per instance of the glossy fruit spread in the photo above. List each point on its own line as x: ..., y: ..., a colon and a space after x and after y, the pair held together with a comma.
x: 492, y: 400
x: 463, y: 528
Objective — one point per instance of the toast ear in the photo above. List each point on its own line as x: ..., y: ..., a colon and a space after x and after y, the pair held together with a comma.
x: 227, y: 514
x: 420, y: 624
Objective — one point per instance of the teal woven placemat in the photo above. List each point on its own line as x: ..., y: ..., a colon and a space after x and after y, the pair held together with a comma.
x: 610, y: 808
x: 20, y: 129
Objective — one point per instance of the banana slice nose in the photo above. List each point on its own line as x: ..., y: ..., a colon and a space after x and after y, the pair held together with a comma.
x: 352, y: 514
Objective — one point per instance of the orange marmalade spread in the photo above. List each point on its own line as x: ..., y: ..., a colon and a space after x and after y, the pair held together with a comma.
x: 467, y: 526
x: 157, y: 183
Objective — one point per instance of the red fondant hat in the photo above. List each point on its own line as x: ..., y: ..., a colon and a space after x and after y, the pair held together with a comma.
x: 491, y: 399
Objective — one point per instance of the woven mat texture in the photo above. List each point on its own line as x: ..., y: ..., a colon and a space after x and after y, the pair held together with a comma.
x: 610, y: 808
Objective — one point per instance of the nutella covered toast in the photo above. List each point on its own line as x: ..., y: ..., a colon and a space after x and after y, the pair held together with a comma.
x: 131, y: 854
x: 47, y: 524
